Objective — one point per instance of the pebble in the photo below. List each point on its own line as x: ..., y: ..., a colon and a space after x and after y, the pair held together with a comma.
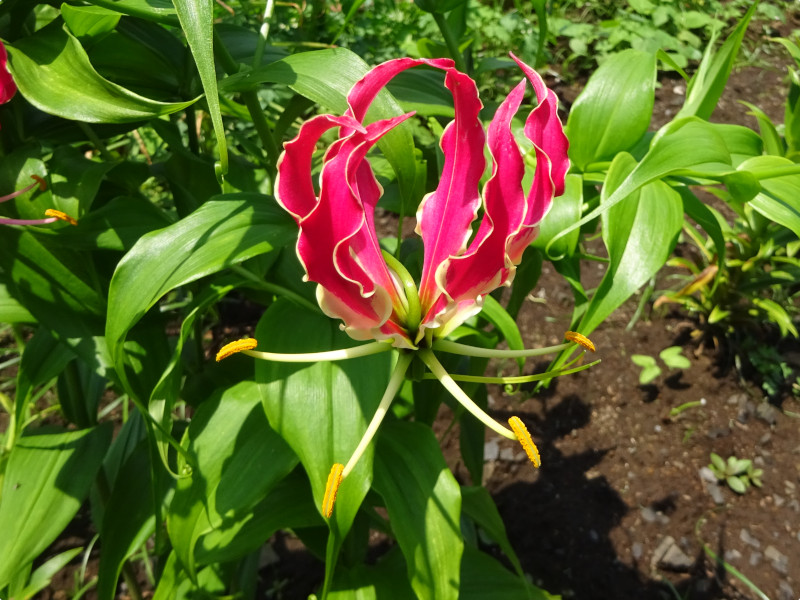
x: 779, y: 561
x: 779, y: 500
x: 637, y: 550
x: 732, y: 555
x: 755, y: 558
x: 707, y: 474
x: 491, y: 450
x: 785, y: 591
x: 748, y: 539
x: 716, y: 494
x: 508, y: 454
x: 767, y: 413
x: 670, y: 557
x: 718, y: 432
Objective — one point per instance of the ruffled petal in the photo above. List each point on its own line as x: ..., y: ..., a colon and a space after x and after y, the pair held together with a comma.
x: 7, y: 86
x: 510, y: 221
x: 445, y: 215
x: 337, y: 244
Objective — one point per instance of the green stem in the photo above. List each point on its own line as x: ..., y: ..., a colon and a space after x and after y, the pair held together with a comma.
x: 263, y: 33
x: 263, y: 129
x: 413, y: 310
x: 274, y: 288
x: 515, y: 380
x: 396, y: 380
x: 191, y: 131
x: 326, y: 356
x: 95, y: 139
x: 451, y: 42
x: 427, y: 356
x: 465, y: 350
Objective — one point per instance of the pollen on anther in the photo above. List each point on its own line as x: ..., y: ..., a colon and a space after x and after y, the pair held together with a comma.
x: 519, y: 429
x: 331, y: 489
x: 237, y: 346
x: 61, y: 216
x: 579, y: 338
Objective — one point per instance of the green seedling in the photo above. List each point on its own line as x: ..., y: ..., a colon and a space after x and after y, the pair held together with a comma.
x: 686, y: 405
x: 671, y: 357
x: 738, y: 473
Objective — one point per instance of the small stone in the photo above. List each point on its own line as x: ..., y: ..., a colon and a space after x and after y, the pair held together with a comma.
x: 737, y: 398
x: 707, y: 474
x: 732, y: 555
x: 779, y: 561
x: 637, y: 550
x: 785, y: 591
x: 594, y: 536
x: 508, y: 454
x: 670, y: 557
x: 648, y: 514
x: 779, y: 500
x: 765, y: 439
x: 491, y: 450
x: 767, y: 413
x: 755, y: 558
x: 716, y: 494
x: 748, y: 539
x: 718, y: 432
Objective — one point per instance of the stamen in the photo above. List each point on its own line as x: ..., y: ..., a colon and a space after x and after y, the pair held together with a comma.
x: 518, y: 427
x: 465, y: 350
x: 39, y: 181
x: 57, y: 214
x: 331, y: 489
x: 579, y: 338
x: 235, y: 347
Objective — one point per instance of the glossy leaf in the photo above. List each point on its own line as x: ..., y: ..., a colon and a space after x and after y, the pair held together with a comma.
x: 326, y: 76
x: 159, y: 11
x: 613, y: 111
x: 11, y: 311
x: 423, y: 500
x: 494, y: 312
x: 484, y: 577
x: 220, y: 233
x: 54, y: 74
x: 565, y: 210
x: 237, y: 458
x: 196, y: 19
x: 640, y: 233
x: 47, y: 479
x: 89, y: 21
x: 386, y: 580
x: 779, y: 199
x: 320, y: 409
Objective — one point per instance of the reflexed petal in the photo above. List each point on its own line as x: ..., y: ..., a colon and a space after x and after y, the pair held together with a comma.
x: 510, y: 221
x: 337, y: 244
x: 7, y: 86
x: 445, y: 215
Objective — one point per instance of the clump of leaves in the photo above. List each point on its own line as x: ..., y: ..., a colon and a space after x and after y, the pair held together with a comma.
x: 672, y: 358
x: 738, y: 473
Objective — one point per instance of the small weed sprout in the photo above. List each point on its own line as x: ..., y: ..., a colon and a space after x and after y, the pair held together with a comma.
x: 672, y: 357
x: 738, y: 473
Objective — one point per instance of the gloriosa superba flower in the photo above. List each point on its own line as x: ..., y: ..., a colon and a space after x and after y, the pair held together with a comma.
x: 370, y: 290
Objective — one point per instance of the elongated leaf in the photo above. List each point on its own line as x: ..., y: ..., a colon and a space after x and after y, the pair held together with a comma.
x: 320, y: 409
x: 326, y: 76
x: 47, y: 479
x: 128, y: 518
x: 640, y: 233
x: 706, y: 87
x: 238, y: 458
x: 779, y: 199
x: 675, y: 149
x: 222, y: 232
x: 196, y: 18
x: 54, y: 74
x: 159, y: 11
x: 614, y: 109
x: 11, y: 311
x: 484, y: 577
x: 423, y: 500
x: 384, y: 581
x: 565, y: 210
x: 494, y: 312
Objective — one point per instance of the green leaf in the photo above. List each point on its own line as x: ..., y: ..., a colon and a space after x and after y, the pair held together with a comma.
x: 613, y: 111
x: 42, y: 576
x: 674, y: 150
x: 777, y: 314
x: 237, y: 458
x: 639, y: 232
x: 565, y: 210
x: 89, y: 21
x: 196, y: 19
x: 773, y: 144
x: 709, y: 220
x: 128, y: 518
x: 54, y: 74
x: 718, y: 462
x: 320, y: 409
x: 11, y: 311
x: 423, y: 500
x: 483, y: 577
x: 326, y: 76
x: 673, y: 358
x: 494, y: 312
x: 779, y: 199
x: 384, y: 581
x: 222, y: 232
x: 478, y: 505
x: 159, y: 11
x: 736, y: 484
x: 706, y: 87
x: 47, y: 479
x: 643, y: 360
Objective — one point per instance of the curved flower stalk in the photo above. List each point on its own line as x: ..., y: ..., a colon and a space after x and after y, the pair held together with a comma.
x: 51, y: 214
x: 371, y: 291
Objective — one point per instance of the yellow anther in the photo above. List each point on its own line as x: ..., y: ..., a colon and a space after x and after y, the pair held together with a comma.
x: 519, y: 429
x: 52, y: 212
x: 41, y: 182
x: 579, y: 338
x: 331, y: 489
x: 237, y: 346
